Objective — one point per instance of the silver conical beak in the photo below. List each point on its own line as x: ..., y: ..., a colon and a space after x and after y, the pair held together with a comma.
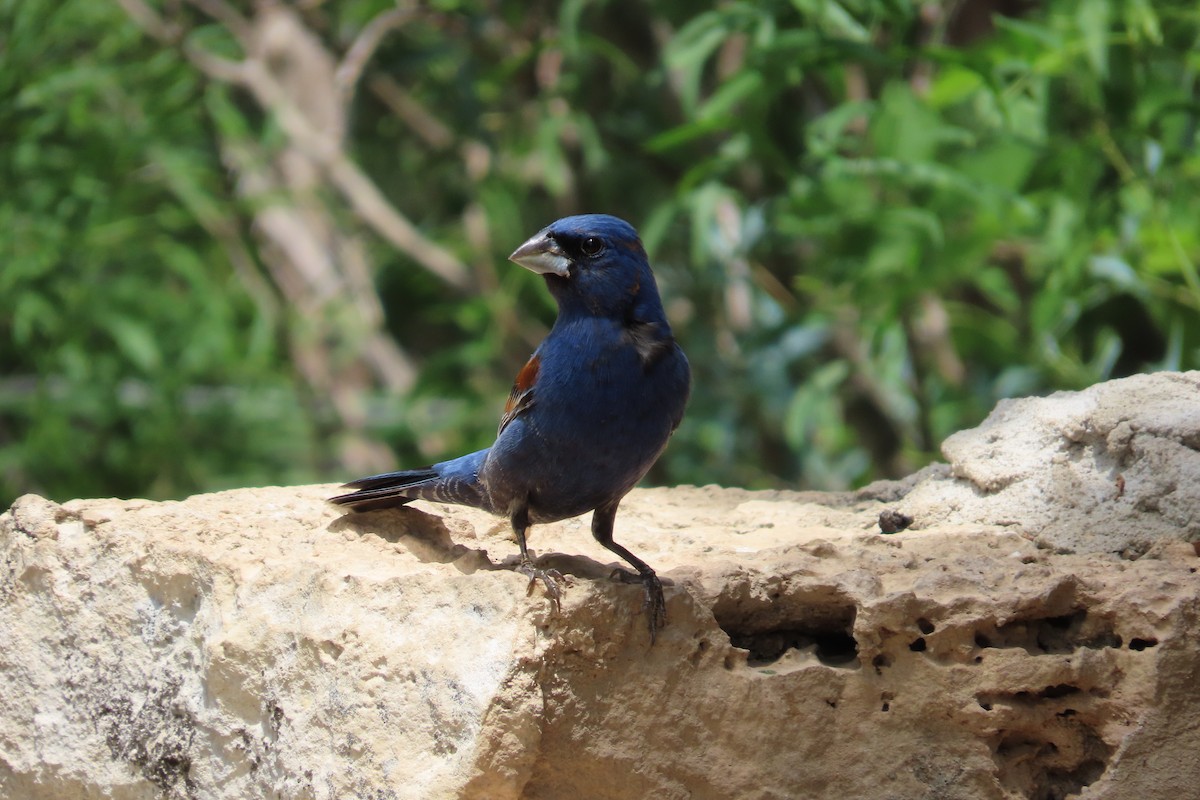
x: 542, y: 254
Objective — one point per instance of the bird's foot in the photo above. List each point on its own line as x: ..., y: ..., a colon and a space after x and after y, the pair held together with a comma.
x: 550, y: 578
x: 655, y: 605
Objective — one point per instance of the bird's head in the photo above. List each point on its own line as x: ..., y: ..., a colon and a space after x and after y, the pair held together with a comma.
x: 595, y: 264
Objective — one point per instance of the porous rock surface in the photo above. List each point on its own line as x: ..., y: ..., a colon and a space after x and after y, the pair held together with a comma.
x: 1034, y: 634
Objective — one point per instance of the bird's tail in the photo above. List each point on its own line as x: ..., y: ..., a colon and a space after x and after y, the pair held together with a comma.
x: 454, y: 481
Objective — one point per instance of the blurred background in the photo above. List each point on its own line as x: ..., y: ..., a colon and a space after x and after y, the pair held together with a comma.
x: 265, y: 243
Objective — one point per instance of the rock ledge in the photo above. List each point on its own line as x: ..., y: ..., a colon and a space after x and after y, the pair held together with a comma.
x: 1034, y: 634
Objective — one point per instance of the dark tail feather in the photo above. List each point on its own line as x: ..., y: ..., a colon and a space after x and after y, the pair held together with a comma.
x: 385, y: 491
x: 448, y: 482
x: 407, y: 477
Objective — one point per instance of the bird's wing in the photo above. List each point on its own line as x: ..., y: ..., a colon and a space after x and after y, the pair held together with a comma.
x: 521, y: 398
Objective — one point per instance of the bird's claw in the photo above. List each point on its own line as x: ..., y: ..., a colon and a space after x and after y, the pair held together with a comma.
x: 655, y: 605
x: 550, y: 578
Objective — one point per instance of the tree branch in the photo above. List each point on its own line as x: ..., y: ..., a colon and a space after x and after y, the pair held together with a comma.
x: 350, y: 70
x: 359, y: 190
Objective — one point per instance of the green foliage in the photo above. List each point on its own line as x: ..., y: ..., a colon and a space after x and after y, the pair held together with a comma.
x: 871, y: 219
x: 131, y: 360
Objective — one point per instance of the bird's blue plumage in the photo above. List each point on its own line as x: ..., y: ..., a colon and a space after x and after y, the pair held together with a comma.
x: 600, y: 419
x: 589, y: 413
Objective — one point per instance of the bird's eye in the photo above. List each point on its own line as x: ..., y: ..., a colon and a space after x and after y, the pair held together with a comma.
x: 591, y: 246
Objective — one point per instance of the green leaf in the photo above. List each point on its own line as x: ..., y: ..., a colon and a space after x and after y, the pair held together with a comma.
x: 135, y: 341
x: 832, y: 18
x: 691, y: 48
x: 33, y: 314
x: 1092, y: 17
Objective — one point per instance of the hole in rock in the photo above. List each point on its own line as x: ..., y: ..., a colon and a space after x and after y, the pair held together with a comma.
x: 1057, y: 634
x: 1060, y: 634
x: 925, y: 626
x: 821, y: 622
x: 1053, y: 761
x: 1025, y: 698
x: 880, y: 661
x: 917, y: 645
x: 1017, y: 746
x: 1142, y: 644
x: 835, y: 648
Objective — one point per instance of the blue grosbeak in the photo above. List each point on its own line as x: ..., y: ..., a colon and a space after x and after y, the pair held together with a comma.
x: 588, y: 414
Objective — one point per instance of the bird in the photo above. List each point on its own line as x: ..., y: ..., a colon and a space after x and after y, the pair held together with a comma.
x: 589, y: 413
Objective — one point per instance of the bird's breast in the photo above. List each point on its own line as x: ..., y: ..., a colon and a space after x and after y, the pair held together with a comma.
x: 600, y: 419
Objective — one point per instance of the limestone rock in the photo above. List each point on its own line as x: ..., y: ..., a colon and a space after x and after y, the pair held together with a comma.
x: 1034, y: 634
x: 1113, y: 468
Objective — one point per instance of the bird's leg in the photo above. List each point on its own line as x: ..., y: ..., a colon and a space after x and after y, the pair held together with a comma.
x: 655, y: 605
x: 548, y: 577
